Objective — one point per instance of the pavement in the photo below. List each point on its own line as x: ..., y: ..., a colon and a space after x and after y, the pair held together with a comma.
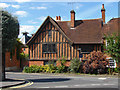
x: 11, y: 83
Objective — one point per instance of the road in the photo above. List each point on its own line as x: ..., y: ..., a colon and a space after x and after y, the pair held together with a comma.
x: 64, y: 81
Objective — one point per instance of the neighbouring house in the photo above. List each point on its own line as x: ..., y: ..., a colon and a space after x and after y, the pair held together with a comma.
x: 11, y: 62
x: 24, y: 39
x: 56, y: 39
x: 14, y: 63
x: 111, y: 27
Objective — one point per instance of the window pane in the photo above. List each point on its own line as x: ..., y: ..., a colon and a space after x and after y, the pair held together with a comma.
x: 54, y: 48
x: 49, y: 33
x: 49, y: 48
x: 44, y: 47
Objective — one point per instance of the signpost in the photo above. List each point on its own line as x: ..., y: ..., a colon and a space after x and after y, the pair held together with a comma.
x: 112, y: 64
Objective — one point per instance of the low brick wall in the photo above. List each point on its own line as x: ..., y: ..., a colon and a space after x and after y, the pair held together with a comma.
x: 36, y: 63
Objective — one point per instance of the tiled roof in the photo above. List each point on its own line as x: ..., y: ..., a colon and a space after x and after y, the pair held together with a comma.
x: 112, y: 26
x: 85, y: 31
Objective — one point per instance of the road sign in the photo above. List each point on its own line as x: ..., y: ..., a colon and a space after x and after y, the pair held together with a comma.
x: 112, y: 63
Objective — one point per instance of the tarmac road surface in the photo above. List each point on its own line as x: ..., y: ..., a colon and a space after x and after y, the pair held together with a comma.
x: 64, y: 81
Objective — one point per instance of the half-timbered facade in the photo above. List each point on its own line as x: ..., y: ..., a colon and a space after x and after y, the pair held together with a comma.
x: 56, y: 39
x: 51, y: 43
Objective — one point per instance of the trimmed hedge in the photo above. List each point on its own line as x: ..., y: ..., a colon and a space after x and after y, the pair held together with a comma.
x: 37, y: 69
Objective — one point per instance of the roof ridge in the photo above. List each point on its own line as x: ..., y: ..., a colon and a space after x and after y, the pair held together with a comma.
x: 92, y: 19
x: 62, y: 21
x: 82, y: 20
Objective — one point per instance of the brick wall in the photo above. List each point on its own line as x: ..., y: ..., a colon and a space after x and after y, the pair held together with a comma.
x: 13, y: 62
x: 36, y: 63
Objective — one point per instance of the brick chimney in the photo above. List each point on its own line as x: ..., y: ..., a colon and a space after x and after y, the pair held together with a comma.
x: 56, y: 18
x: 72, y: 18
x: 25, y: 33
x: 59, y: 18
x: 103, y: 13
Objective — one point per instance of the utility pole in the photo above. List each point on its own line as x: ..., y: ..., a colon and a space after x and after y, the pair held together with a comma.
x: 2, y: 64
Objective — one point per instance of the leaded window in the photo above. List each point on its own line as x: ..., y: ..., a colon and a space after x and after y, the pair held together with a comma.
x: 49, y: 48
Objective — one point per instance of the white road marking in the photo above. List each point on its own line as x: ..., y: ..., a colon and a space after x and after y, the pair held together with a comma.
x: 79, y: 85
x: 95, y: 84
x: 76, y: 85
x: 60, y: 86
x: 108, y: 84
x: 44, y: 87
x: 102, y: 78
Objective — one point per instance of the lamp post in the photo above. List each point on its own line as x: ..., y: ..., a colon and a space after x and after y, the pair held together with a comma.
x: 80, y: 54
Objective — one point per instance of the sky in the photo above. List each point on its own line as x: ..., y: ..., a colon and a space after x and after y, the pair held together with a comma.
x: 32, y: 14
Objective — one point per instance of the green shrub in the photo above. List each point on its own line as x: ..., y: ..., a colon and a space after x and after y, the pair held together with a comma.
x: 25, y: 69
x: 33, y: 69
x: 61, y: 68
x: 52, y: 68
x: 116, y: 69
x: 45, y: 68
x: 75, y: 65
x: 24, y: 56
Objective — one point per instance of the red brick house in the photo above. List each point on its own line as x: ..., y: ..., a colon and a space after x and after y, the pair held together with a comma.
x: 56, y: 39
x: 12, y: 63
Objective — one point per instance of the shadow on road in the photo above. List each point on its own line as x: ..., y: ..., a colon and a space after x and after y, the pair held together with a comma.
x: 11, y: 80
x: 50, y: 80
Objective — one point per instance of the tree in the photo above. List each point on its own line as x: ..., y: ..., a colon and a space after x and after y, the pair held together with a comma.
x: 113, y: 46
x: 10, y: 31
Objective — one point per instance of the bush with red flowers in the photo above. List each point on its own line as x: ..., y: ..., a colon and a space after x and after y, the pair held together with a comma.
x: 96, y: 63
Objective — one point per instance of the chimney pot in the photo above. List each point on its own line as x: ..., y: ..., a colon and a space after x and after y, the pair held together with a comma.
x: 102, y: 6
x: 59, y: 18
x: 56, y: 17
x: 25, y: 33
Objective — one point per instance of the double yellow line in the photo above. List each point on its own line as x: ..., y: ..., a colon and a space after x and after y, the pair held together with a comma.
x: 20, y: 86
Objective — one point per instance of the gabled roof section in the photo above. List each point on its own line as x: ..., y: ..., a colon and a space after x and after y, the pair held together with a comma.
x: 24, y: 39
x: 42, y: 26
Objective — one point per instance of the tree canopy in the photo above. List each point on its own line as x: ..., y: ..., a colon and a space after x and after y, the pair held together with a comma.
x: 10, y: 31
x: 113, y: 46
